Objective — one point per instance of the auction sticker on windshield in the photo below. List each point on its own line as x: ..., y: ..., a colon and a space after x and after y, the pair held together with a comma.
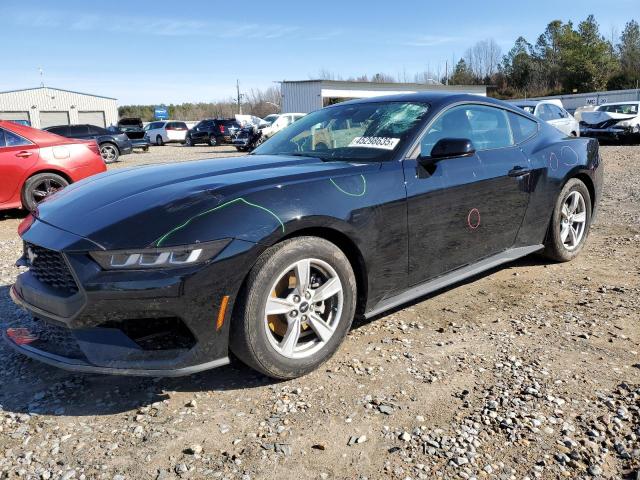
x: 384, y: 143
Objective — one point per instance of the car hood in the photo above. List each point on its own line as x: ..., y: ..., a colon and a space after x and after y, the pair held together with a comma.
x: 597, y: 116
x: 131, y: 208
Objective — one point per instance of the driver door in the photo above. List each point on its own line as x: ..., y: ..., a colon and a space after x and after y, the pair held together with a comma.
x: 464, y: 209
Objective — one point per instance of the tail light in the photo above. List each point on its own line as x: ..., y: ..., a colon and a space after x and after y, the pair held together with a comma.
x: 221, y: 128
x: 93, y: 146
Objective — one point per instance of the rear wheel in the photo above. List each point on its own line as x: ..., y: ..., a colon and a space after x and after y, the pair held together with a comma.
x: 159, y: 141
x: 570, y: 222
x: 297, y: 307
x: 109, y: 152
x: 212, y: 141
x: 39, y: 187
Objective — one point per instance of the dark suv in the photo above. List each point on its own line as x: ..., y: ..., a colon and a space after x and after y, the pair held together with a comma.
x: 212, y: 132
x: 111, y: 144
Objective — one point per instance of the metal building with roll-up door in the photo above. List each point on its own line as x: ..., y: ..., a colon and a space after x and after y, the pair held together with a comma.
x: 308, y: 95
x: 45, y: 107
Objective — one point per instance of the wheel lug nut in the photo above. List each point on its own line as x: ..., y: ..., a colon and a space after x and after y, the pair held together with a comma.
x: 296, y: 298
x: 294, y: 313
x: 304, y: 318
x: 307, y: 295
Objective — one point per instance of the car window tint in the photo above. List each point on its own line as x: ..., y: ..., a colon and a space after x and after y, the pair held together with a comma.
x: 95, y: 130
x: 522, y: 127
x: 57, y: 130
x: 545, y: 112
x: 77, y: 130
x: 487, y: 128
x: 13, y: 140
x: 2, y: 144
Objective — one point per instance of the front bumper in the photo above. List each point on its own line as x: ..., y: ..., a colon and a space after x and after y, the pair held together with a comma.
x: 615, y: 134
x: 149, y: 323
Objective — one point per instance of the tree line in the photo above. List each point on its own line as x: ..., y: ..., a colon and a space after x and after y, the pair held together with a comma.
x: 565, y: 58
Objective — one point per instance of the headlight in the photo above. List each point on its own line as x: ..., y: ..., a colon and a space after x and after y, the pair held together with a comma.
x: 167, y: 257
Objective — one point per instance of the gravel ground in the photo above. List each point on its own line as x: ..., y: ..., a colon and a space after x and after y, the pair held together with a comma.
x: 531, y: 371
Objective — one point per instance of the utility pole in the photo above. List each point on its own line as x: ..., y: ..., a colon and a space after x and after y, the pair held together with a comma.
x: 41, y: 77
x: 446, y: 71
x: 239, y: 97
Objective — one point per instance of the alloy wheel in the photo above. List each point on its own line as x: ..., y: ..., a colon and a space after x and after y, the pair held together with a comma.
x: 573, y: 220
x: 304, y: 308
x: 45, y: 188
x: 108, y: 153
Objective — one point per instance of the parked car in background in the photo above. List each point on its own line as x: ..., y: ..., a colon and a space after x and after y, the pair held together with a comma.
x: 25, y: 123
x: 280, y: 123
x: 166, y: 132
x: 272, y: 255
x: 112, y: 144
x: 269, y: 119
x: 550, y: 112
x: 617, y: 122
x: 34, y: 164
x: 133, y: 128
x: 213, y: 132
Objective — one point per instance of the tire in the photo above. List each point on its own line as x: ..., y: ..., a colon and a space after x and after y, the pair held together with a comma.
x: 260, y: 340
x: 145, y: 149
x: 109, y: 152
x: 40, y: 186
x: 212, y: 141
x: 159, y: 140
x: 567, y: 234
x: 188, y: 142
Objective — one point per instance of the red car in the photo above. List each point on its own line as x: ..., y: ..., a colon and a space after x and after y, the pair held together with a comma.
x: 34, y: 164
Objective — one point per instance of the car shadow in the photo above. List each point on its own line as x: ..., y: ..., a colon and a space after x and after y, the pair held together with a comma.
x: 13, y: 214
x: 31, y: 387
x: 532, y: 260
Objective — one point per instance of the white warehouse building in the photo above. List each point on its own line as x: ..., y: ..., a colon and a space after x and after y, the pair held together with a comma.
x: 45, y: 107
x: 308, y: 95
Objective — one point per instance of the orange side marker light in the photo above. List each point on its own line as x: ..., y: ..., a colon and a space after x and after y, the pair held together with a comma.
x: 222, y: 312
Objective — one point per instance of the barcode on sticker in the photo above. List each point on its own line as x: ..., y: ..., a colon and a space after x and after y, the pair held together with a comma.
x: 385, y: 143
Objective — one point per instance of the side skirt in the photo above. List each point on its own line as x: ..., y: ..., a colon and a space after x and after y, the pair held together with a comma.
x: 452, y: 277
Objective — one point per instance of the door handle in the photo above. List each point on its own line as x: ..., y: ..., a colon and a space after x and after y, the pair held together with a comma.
x: 24, y: 154
x: 519, y: 171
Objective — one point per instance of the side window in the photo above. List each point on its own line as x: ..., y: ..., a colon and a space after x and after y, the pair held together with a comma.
x: 95, y: 130
x: 556, y: 112
x: 77, y: 130
x: 2, y: 144
x: 487, y: 127
x: 545, y: 113
x: 12, y: 140
x: 523, y: 128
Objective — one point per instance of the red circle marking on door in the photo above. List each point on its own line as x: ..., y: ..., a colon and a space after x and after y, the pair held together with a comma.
x: 473, y: 219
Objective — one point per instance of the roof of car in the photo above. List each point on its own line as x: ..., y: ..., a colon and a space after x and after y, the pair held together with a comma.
x: 434, y: 98
x: 621, y: 103
x: 37, y: 136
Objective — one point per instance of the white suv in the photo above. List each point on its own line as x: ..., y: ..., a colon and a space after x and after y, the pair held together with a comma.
x: 163, y: 132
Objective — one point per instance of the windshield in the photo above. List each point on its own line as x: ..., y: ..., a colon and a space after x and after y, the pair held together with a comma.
x: 362, y: 131
x: 627, y: 108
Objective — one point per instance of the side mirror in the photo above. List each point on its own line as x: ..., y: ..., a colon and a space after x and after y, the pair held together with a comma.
x: 452, y: 147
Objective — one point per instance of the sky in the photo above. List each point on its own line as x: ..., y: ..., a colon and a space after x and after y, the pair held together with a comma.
x: 154, y: 52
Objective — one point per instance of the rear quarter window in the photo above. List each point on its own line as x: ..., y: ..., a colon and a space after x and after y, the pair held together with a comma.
x: 522, y: 128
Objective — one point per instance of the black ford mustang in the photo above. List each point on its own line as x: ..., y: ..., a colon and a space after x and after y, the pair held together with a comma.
x: 353, y: 210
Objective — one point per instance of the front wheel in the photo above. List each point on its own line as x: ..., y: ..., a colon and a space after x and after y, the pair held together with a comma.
x: 39, y: 187
x: 159, y: 141
x: 296, y: 308
x: 212, y: 141
x: 570, y: 222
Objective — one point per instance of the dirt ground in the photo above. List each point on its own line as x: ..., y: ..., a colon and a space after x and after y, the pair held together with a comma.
x: 529, y: 371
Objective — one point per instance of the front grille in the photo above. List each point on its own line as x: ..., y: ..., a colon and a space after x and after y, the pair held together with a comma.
x: 50, y: 268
